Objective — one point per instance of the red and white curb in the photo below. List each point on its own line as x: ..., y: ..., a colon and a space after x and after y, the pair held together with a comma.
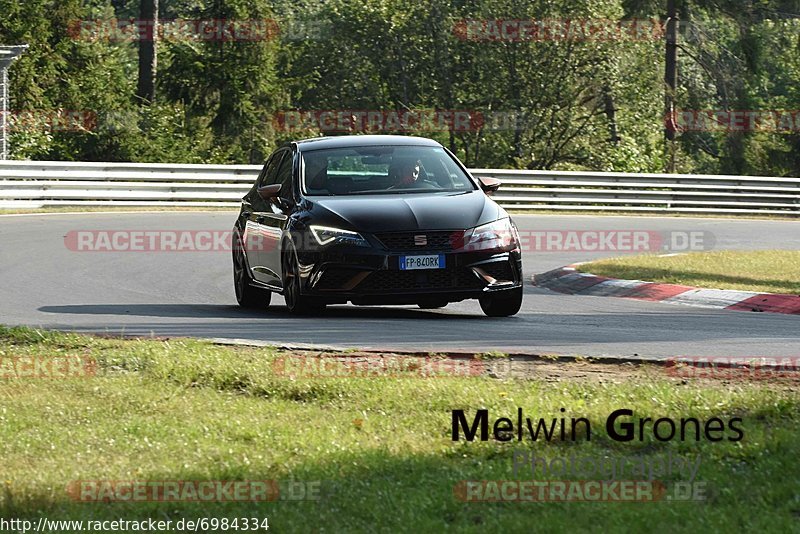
x: 568, y: 280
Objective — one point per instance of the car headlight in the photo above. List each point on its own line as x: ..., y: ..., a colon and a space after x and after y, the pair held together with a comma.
x: 499, y: 235
x: 326, y: 235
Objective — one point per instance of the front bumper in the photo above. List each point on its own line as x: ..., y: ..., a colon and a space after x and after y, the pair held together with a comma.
x: 373, y: 276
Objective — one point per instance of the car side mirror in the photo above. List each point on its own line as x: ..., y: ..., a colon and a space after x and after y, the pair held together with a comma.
x: 269, y: 192
x: 489, y: 185
x: 283, y: 203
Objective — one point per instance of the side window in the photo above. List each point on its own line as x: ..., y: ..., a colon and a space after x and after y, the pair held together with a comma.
x: 284, y: 176
x: 260, y: 180
x: 271, y: 168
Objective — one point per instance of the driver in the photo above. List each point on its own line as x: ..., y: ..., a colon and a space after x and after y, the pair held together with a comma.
x: 407, y: 173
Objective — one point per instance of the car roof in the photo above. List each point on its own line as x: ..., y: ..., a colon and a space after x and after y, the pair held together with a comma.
x: 345, y: 141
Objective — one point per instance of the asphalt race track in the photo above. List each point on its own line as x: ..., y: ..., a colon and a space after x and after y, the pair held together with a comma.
x: 191, y: 294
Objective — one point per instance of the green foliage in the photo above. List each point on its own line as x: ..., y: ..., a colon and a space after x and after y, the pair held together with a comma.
x: 558, y: 100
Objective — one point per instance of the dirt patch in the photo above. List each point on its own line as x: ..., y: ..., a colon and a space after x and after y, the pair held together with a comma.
x: 548, y: 369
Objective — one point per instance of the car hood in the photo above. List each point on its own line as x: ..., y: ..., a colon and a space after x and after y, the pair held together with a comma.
x: 410, y: 212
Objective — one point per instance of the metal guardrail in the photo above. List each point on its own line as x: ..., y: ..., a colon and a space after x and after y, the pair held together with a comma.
x: 28, y: 184
x: 644, y: 192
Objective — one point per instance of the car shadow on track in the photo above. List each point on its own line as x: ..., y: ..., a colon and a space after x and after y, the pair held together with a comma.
x: 225, y: 311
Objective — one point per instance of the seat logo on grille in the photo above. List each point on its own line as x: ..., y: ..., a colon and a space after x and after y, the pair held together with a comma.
x: 420, y: 240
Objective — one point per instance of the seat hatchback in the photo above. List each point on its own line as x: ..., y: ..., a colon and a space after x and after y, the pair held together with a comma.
x: 374, y: 219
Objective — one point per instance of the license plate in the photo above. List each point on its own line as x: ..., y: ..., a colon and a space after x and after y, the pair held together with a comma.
x: 430, y: 261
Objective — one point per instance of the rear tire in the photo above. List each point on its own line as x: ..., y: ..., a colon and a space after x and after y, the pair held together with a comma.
x: 502, y: 303
x: 296, y: 303
x: 246, y: 295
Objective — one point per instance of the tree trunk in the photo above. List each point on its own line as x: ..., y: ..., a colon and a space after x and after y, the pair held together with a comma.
x: 670, y: 83
x: 611, y: 114
x: 148, y: 41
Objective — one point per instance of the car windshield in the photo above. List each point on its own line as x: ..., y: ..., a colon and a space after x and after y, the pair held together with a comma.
x: 382, y: 170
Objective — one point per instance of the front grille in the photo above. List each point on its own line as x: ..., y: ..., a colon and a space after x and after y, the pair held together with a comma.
x: 405, y: 241
x: 389, y: 281
x: 499, y: 270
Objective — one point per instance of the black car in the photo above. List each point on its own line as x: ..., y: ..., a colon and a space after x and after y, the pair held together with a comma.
x: 374, y: 219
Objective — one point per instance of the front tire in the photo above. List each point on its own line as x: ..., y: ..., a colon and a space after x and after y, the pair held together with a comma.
x: 502, y: 303
x: 246, y: 295
x: 296, y: 303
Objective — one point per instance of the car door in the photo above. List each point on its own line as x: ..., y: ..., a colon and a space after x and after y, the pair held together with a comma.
x: 276, y: 219
x: 258, y: 239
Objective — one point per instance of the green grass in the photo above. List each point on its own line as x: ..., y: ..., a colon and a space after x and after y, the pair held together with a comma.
x: 380, y: 447
x: 768, y: 271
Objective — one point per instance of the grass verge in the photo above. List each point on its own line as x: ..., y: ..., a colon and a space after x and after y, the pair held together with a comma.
x: 767, y: 271
x: 379, y: 447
